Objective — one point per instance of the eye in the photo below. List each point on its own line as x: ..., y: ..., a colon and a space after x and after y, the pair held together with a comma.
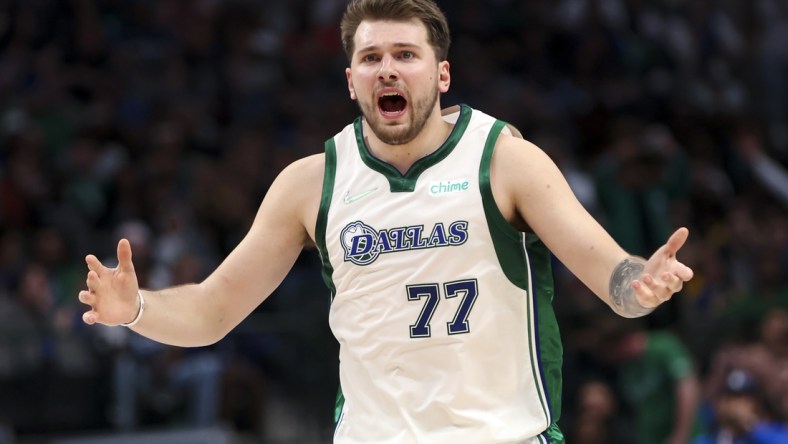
x: 369, y: 58
x: 407, y: 55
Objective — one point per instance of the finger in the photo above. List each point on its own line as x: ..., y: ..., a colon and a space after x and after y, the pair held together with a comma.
x: 655, y: 288
x: 644, y: 294
x: 640, y: 288
x: 684, y: 272
x: 672, y: 282
x: 93, y: 281
x: 649, y: 282
x: 87, y: 297
x: 93, y: 263
x: 90, y: 317
x: 124, y: 256
x: 676, y: 241
x: 650, y: 291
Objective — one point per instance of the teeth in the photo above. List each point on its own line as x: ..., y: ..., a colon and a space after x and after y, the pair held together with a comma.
x: 391, y: 94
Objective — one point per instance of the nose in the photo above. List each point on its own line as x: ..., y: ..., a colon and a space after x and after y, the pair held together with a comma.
x: 387, y: 71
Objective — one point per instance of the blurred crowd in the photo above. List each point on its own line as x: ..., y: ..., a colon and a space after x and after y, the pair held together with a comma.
x: 165, y: 121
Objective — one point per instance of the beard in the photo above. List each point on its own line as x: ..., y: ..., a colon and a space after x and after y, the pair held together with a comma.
x: 417, y: 117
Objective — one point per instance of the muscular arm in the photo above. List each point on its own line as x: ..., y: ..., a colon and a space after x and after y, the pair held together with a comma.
x: 529, y: 189
x: 202, y: 313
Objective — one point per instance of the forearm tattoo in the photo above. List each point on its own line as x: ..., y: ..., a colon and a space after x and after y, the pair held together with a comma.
x: 622, y: 295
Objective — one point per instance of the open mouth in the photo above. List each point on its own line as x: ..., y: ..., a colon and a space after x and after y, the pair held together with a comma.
x: 392, y: 104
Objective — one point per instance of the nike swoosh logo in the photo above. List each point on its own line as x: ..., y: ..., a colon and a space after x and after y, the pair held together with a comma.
x: 350, y: 199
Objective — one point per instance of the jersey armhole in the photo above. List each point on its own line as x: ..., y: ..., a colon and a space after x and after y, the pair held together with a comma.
x: 507, y: 241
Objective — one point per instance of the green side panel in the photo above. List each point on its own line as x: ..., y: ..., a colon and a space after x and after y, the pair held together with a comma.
x: 401, y: 183
x: 554, y: 435
x: 511, y: 247
x: 327, y: 271
x: 536, y: 365
x: 338, y: 406
x: 550, y: 350
x: 322, y: 216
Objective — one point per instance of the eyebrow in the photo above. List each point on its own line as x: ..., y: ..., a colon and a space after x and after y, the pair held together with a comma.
x: 395, y: 45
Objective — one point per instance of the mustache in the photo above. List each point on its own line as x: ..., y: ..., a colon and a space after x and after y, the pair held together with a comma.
x: 384, y: 85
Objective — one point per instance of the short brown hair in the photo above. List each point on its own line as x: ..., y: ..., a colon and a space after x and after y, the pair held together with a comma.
x: 426, y: 11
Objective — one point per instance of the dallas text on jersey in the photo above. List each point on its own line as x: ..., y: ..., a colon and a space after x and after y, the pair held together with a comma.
x: 363, y: 244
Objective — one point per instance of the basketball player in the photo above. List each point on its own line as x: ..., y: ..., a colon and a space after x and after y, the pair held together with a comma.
x: 433, y: 227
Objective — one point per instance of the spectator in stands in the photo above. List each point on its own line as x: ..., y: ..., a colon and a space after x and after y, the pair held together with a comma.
x: 657, y: 378
x: 743, y: 416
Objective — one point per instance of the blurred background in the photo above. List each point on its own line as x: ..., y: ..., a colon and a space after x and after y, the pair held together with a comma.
x: 165, y: 121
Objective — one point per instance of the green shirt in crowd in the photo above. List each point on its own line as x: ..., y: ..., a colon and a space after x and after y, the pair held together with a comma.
x: 648, y: 383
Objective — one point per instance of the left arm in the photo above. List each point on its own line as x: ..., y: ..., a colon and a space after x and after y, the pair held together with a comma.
x: 528, y: 186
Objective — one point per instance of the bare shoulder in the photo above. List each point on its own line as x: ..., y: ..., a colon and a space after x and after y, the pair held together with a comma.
x: 518, y: 165
x: 525, y: 181
x: 297, y: 190
x: 305, y: 172
x: 515, y: 152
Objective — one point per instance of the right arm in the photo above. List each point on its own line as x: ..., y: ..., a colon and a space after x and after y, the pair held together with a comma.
x: 203, y: 313
x: 527, y: 185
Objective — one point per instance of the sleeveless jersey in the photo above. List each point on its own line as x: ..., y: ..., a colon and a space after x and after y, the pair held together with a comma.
x: 441, y: 308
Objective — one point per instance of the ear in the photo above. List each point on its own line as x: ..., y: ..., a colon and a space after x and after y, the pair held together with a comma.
x: 350, y: 84
x: 444, y: 76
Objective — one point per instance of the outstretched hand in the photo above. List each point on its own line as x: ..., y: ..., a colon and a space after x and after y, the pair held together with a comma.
x: 663, y: 274
x: 112, y: 292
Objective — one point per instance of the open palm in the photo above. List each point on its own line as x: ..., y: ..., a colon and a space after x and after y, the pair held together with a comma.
x: 112, y: 292
x: 663, y: 275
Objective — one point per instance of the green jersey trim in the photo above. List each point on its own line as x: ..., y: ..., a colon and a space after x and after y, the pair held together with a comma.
x: 553, y: 435
x: 548, y: 337
x: 525, y: 261
x: 398, y: 182
x: 339, y: 405
x: 506, y: 239
x: 329, y: 177
x: 327, y: 270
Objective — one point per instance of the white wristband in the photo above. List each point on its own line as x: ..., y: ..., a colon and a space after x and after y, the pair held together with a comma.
x: 139, y: 313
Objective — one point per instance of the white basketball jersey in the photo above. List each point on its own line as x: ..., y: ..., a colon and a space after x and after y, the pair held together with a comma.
x: 442, y: 310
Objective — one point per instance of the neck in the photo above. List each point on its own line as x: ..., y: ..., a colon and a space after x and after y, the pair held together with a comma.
x: 403, y: 156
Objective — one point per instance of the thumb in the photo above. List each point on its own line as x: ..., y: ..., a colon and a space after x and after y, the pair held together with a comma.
x: 124, y: 256
x: 676, y: 241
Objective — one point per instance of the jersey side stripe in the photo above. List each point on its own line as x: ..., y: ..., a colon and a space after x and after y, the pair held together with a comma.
x: 547, y: 336
x: 329, y: 177
x: 525, y: 262
x: 535, y: 364
x: 327, y: 271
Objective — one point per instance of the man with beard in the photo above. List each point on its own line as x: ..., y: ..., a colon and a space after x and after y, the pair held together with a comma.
x: 433, y: 227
